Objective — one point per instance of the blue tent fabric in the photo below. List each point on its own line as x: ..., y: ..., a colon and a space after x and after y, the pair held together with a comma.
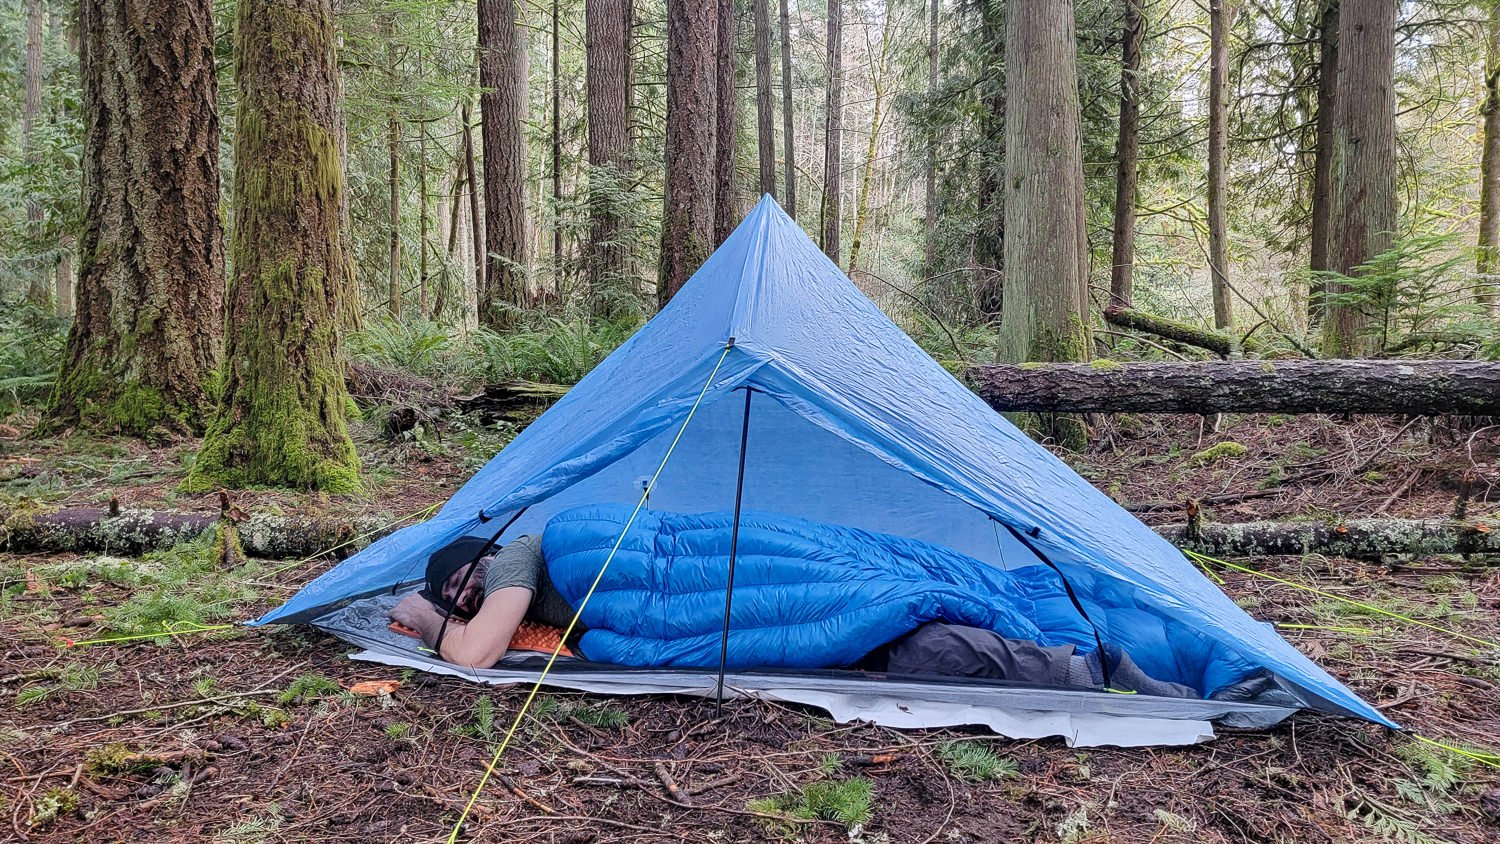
x: 841, y: 393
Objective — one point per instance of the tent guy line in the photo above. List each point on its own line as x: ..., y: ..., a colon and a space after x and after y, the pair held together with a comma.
x: 536, y: 687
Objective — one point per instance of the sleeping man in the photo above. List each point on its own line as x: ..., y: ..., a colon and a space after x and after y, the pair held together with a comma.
x: 806, y: 595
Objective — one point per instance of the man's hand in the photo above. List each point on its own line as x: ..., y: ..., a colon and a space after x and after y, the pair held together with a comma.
x: 419, y: 614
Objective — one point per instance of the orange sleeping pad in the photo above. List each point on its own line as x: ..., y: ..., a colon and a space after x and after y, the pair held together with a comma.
x: 530, y: 636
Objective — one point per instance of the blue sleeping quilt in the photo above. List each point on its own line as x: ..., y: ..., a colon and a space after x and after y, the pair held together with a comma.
x: 813, y: 595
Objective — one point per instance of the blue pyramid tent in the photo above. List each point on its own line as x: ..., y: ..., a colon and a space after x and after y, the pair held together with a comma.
x: 854, y: 425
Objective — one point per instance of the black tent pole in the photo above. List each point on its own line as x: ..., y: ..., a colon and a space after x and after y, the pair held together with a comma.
x: 734, y: 544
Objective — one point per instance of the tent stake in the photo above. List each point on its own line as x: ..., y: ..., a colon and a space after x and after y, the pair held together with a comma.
x: 734, y: 543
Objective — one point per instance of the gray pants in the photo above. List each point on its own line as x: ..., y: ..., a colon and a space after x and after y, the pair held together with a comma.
x: 954, y: 651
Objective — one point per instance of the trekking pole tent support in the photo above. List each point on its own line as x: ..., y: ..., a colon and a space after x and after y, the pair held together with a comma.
x: 734, y: 542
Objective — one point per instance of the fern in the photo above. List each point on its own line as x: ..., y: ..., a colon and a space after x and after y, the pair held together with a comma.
x: 1388, y: 822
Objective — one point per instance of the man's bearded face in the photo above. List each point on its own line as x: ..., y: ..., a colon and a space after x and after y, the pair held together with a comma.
x: 466, y: 603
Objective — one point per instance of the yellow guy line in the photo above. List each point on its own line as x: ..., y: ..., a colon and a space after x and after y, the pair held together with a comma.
x: 1350, y: 601
x: 1483, y: 757
x: 489, y: 769
x: 176, y: 628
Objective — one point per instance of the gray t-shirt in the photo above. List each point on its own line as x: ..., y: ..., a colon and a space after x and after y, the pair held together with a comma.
x: 520, y: 563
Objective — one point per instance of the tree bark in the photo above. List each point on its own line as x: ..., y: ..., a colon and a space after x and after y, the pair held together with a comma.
x: 1364, y: 164
x: 692, y: 137
x: 1046, y: 252
x: 1416, y: 388
x: 608, y: 26
x: 270, y: 536
x: 1127, y: 157
x: 788, y: 137
x: 150, y: 297
x: 557, y: 231
x: 1221, y: 18
x: 833, y: 134
x: 1488, y: 262
x: 872, y: 148
x: 131, y: 533
x: 1213, y: 341
x: 31, y: 112
x: 476, y: 217
x: 502, y: 106
x: 423, y: 223
x: 765, y: 113
x: 393, y: 280
x: 726, y: 195
x: 929, y: 192
x: 1358, y: 539
x: 281, y: 421
x: 1327, y: 117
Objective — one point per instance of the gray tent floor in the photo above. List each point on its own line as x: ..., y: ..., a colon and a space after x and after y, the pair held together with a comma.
x: 1083, y: 718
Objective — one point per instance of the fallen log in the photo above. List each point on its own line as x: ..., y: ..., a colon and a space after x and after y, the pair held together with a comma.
x: 130, y: 533
x: 1213, y: 341
x: 1416, y: 388
x: 1359, y: 539
x: 269, y: 536
x: 511, y: 400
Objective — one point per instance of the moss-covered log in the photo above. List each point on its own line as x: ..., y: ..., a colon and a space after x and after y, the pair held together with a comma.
x: 1213, y: 341
x: 150, y: 296
x: 134, y: 532
x: 1430, y: 388
x: 511, y: 400
x: 1361, y: 539
x: 282, y: 420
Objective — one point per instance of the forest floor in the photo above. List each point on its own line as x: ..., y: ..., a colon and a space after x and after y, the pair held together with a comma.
x: 263, y: 736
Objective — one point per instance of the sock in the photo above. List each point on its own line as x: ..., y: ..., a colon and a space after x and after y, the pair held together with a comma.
x: 1082, y: 673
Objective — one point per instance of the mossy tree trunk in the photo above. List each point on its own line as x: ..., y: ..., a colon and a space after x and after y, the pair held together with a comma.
x: 1127, y: 158
x: 1322, y: 195
x: 1044, y: 317
x: 282, y: 421
x: 1488, y: 264
x: 150, y: 293
x: 1363, y: 165
x: 502, y: 112
x: 1221, y: 19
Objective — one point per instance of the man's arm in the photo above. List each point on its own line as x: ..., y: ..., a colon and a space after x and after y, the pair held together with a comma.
x: 479, y: 643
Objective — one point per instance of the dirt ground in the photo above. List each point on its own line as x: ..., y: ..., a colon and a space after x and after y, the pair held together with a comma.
x: 264, y: 736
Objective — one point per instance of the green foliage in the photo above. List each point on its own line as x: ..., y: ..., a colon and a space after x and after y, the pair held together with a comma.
x: 71, y: 677
x: 184, y: 584
x: 971, y: 760
x: 554, y: 351
x: 608, y: 717
x: 307, y: 688
x: 31, y: 349
x: 57, y: 802
x: 1419, y: 298
x: 1227, y: 450
x: 846, y: 802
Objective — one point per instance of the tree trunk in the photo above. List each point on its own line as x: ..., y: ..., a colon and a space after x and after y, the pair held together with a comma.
x: 393, y: 281
x: 1046, y: 253
x: 281, y: 421
x: 988, y: 244
x: 877, y: 119
x: 36, y: 276
x: 1358, y: 539
x: 423, y: 224
x: 692, y: 135
x: 1213, y: 341
x: 1415, y: 388
x: 833, y: 133
x: 726, y: 198
x: 476, y: 217
x: 1327, y: 117
x: 929, y: 194
x: 150, y: 297
x: 788, y: 137
x: 502, y: 106
x: 1127, y: 157
x: 1488, y: 263
x: 557, y: 232
x: 63, y: 274
x: 1221, y: 17
x: 269, y: 536
x: 765, y: 113
x: 1364, y: 164
x: 608, y: 26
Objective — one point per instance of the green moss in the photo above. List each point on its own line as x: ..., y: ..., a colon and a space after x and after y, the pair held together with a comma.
x: 1105, y: 364
x: 1227, y: 450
